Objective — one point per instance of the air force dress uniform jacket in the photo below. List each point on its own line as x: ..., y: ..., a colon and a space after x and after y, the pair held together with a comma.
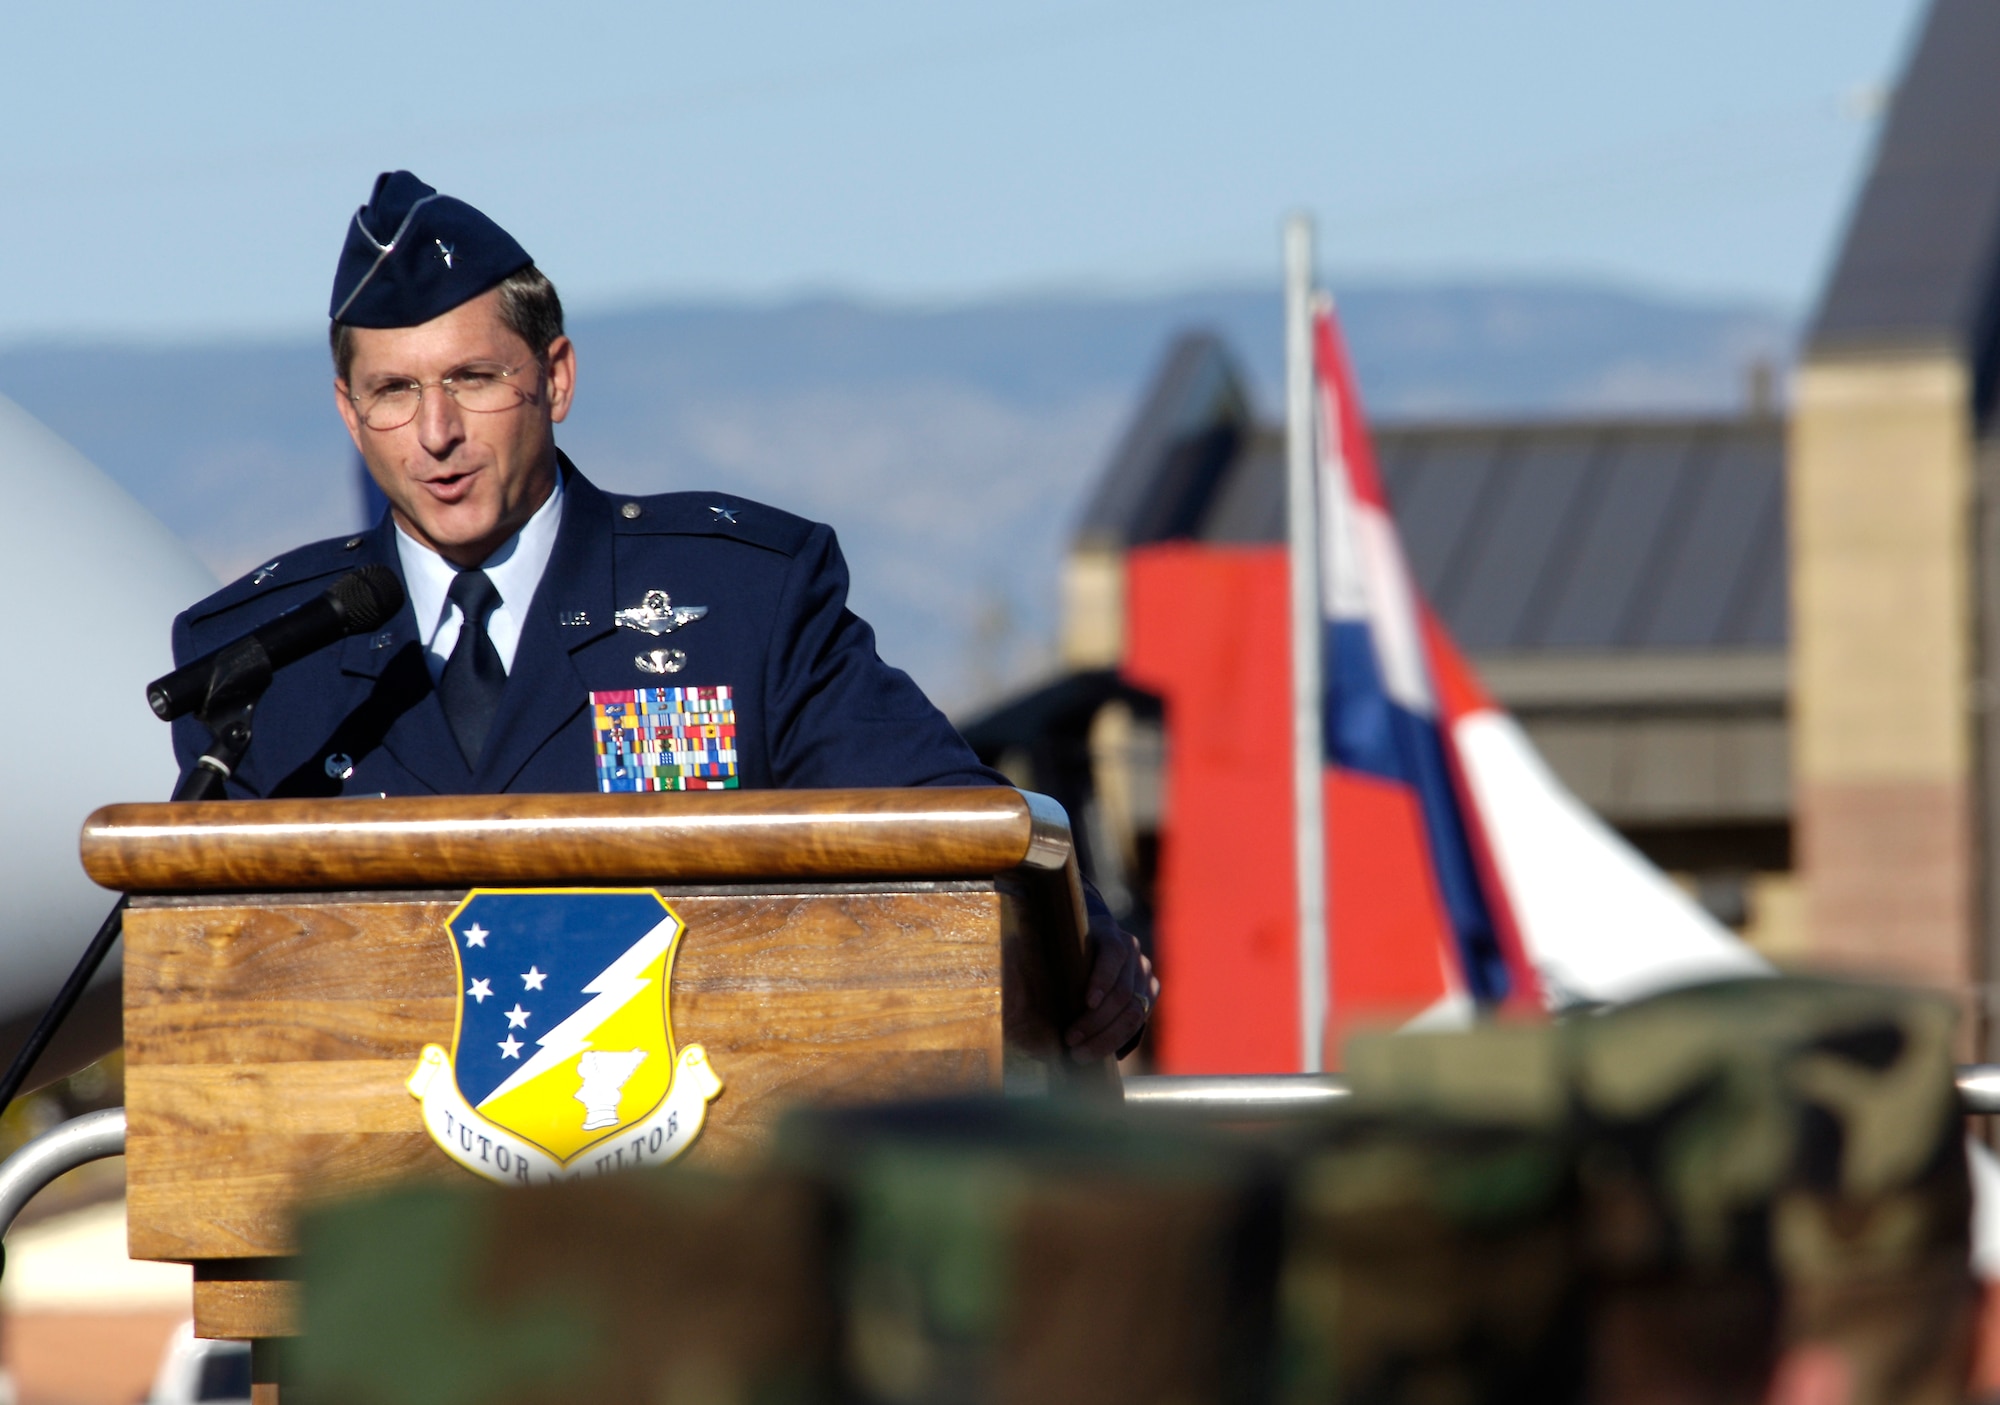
x: 814, y: 705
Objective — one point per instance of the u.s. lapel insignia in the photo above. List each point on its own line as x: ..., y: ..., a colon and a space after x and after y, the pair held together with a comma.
x: 656, y: 614
x: 563, y: 1064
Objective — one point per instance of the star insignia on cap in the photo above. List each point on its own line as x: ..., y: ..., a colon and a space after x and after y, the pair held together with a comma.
x: 445, y: 251
x: 724, y: 514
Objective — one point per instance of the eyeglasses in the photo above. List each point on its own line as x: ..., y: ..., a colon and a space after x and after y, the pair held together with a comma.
x: 483, y: 389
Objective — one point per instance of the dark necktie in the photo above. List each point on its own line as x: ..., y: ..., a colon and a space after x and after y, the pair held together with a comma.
x: 472, y: 680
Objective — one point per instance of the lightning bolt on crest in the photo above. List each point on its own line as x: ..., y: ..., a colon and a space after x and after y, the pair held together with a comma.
x: 612, y: 988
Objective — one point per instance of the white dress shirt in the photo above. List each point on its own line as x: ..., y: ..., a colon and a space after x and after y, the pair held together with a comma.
x: 515, y: 570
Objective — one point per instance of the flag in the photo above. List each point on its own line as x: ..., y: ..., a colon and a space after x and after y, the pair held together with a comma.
x: 1544, y: 903
x: 1460, y: 871
x: 1598, y: 922
x: 1381, y: 714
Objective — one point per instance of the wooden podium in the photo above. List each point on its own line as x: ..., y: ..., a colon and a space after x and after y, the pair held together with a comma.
x: 286, y: 962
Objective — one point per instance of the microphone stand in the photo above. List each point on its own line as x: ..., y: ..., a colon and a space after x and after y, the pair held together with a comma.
x: 242, y: 673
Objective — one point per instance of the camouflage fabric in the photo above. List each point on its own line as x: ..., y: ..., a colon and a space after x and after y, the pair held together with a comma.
x: 675, y: 1288
x: 1432, y: 1263
x: 1511, y: 1075
x: 1031, y: 1252
x: 1765, y: 1167
x: 1674, y: 1203
x: 1771, y: 1167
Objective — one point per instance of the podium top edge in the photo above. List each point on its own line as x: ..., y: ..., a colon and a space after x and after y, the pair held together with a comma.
x: 470, y: 840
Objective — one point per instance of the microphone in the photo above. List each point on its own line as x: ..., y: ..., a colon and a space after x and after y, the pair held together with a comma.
x: 358, y: 601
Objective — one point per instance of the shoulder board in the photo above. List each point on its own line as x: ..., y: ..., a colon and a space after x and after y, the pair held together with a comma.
x: 274, y: 576
x: 710, y: 515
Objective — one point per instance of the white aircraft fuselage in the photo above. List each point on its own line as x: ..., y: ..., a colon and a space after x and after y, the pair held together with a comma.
x: 94, y: 582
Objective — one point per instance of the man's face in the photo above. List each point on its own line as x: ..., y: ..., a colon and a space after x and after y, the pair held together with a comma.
x: 458, y: 481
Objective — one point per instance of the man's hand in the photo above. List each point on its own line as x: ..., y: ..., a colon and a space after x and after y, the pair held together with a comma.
x: 1119, y: 997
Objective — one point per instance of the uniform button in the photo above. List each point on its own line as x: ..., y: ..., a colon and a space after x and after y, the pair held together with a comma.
x: 351, y: 543
x: 630, y: 511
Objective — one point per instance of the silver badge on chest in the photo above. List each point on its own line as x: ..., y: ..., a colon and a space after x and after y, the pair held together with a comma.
x: 661, y: 661
x: 656, y: 613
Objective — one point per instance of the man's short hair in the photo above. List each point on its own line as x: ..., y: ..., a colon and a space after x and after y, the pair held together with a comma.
x: 528, y: 305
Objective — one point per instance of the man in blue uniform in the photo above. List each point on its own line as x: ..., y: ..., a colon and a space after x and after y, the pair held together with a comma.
x: 555, y: 637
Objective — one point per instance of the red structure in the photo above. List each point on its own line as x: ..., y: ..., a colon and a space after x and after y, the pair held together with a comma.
x: 1205, y: 630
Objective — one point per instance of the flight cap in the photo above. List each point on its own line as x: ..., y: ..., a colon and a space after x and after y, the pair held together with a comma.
x: 413, y: 254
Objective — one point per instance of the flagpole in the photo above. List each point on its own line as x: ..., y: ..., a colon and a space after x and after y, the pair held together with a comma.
x: 1302, y: 543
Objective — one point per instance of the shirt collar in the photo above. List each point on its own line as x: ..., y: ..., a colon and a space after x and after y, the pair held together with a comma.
x: 515, y: 568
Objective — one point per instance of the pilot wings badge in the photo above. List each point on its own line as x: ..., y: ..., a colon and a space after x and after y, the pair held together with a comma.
x: 563, y: 1064
x: 656, y: 614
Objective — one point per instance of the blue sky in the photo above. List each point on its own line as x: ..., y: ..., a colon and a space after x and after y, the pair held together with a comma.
x: 177, y: 171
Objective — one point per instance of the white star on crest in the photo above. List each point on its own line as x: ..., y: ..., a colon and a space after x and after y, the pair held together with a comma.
x: 532, y: 978
x: 517, y: 1017
x: 476, y: 935
x: 480, y: 990
x: 510, y: 1048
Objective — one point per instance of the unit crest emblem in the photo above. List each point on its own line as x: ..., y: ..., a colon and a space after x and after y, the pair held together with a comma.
x: 563, y: 1064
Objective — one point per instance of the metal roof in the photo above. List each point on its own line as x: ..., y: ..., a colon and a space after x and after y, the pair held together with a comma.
x: 1918, y: 264
x: 1612, y: 534
x: 1189, y: 429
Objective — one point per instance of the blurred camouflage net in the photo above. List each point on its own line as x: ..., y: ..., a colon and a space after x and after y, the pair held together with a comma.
x: 1693, y: 1199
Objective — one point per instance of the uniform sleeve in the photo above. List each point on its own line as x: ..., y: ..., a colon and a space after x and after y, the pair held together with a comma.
x: 190, y: 740
x: 838, y: 715
x: 842, y: 717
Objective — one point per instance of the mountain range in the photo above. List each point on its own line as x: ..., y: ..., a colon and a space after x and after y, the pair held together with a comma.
x: 951, y: 447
